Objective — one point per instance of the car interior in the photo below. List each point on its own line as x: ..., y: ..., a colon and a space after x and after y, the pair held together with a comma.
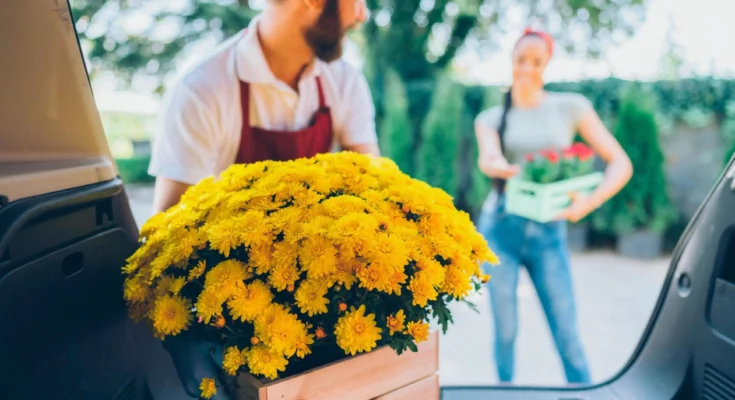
x: 66, y: 228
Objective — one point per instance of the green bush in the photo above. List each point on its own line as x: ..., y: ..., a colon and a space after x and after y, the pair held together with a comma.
x: 644, y: 202
x: 440, y: 134
x: 396, y: 132
x: 728, y: 133
x: 134, y: 170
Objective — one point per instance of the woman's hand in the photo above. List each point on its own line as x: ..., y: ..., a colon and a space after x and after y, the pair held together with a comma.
x: 581, y: 207
x: 499, y: 168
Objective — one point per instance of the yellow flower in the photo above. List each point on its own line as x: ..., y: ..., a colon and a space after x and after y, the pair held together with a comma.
x: 260, y: 258
x: 397, y: 322
x: 374, y: 277
x: 352, y: 228
x: 310, y: 297
x: 419, y: 331
x: 390, y: 251
x: 395, y: 282
x: 171, y: 315
x: 357, y: 332
x: 209, y: 304
x: 457, y: 282
x: 318, y: 257
x: 185, y: 241
x: 249, y: 301
x: 263, y: 361
x: 135, y: 290
x: 286, y: 331
x: 340, y: 205
x: 208, y: 388
x: 225, y: 276
x: 422, y: 290
x: 169, y: 284
x: 345, y: 274
x: 283, y: 276
x: 234, y: 359
x: 197, y: 271
x: 302, y: 345
x: 253, y: 228
x: 284, y: 254
x: 223, y: 236
x: 431, y: 270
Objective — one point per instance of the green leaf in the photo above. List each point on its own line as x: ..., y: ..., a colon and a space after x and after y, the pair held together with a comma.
x: 472, y: 305
x: 442, y: 313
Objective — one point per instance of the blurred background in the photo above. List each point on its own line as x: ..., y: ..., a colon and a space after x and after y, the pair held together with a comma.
x: 433, y: 65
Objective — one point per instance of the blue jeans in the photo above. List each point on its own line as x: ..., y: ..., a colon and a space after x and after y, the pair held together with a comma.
x: 542, y: 249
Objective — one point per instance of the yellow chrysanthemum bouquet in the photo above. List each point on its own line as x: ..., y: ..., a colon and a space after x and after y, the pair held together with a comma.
x: 291, y: 265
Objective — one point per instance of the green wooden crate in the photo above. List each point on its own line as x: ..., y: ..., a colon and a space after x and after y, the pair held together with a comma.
x: 543, y: 201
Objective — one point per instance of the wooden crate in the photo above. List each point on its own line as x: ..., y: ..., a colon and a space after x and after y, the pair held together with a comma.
x: 378, y: 375
x: 543, y: 201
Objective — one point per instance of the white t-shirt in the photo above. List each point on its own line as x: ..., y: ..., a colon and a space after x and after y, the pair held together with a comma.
x: 199, y: 129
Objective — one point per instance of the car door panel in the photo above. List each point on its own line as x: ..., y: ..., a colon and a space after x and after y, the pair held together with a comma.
x: 66, y: 334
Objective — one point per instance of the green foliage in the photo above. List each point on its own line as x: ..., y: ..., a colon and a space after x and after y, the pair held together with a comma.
x: 134, y: 170
x: 441, y: 130
x: 728, y: 133
x: 395, y: 127
x: 644, y: 202
x: 481, y: 184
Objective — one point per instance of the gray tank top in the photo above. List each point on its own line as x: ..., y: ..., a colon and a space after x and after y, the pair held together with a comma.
x: 551, y: 124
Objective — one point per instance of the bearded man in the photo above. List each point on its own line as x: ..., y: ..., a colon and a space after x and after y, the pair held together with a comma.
x: 277, y: 90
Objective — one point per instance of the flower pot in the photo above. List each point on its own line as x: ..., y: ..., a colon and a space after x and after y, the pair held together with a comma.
x: 641, y: 244
x: 141, y: 148
x: 378, y: 375
x: 542, y: 202
x: 577, y: 237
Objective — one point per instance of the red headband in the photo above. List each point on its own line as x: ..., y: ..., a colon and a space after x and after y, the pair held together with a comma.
x: 543, y: 35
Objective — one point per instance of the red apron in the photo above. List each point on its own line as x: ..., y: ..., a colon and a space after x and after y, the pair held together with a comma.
x: 258, y: 144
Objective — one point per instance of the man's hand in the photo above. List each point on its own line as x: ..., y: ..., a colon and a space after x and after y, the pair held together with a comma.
x: 364, y: 149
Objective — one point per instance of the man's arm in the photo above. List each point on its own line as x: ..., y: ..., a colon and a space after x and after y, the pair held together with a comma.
x: 184, y: 149
x: 357, y: 131
x: 167, y: 193
x: 371, y: 148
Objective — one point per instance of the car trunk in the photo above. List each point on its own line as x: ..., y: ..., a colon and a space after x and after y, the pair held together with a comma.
x: 65, y: 223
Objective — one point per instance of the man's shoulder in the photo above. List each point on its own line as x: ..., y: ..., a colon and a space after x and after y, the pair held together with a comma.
x: 341, y: 72
x: 206, y: 75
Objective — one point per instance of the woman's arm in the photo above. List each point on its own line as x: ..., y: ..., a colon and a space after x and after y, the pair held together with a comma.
x: 617, y: 173
x: 490, y: 158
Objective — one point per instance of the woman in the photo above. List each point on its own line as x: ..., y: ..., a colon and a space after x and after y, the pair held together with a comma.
x: 532, y: 119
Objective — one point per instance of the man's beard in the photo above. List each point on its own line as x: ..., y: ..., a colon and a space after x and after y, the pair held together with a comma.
x: 325, y: 37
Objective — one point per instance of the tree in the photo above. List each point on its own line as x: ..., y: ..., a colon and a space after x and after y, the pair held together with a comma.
x: 415, y: 38
x: 728, y: 133
x: 643, y: 204
x: 441, y: 131
x: 672, y: 61
x: 395, y: 127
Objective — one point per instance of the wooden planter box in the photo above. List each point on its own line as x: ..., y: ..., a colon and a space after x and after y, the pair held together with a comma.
x: 542, y: 202
x: 378, y: 375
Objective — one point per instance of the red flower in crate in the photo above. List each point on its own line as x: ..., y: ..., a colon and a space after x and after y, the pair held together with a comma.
x: 551, y: 156
x: 581, y: 151
x: 551, y: 165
